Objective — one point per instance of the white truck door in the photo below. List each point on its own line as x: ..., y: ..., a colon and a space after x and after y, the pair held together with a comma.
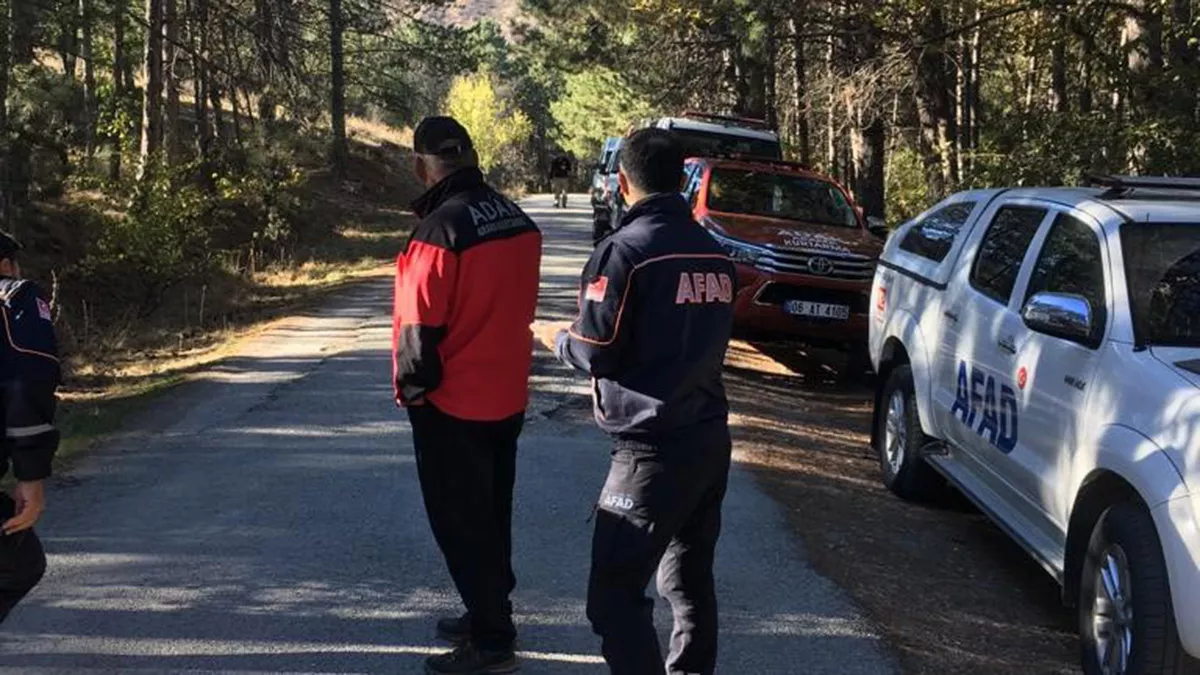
x: 1053, y: 374
x: 976, y: 387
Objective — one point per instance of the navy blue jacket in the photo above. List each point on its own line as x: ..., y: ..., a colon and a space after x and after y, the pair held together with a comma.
x: 29, y: 377
x: 655, y: 317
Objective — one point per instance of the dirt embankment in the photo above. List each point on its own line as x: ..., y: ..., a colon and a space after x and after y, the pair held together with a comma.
x: 951, y: 592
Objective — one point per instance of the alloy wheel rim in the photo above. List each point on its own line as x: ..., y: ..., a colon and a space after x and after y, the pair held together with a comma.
x: 1112, y: 612
x: 895, y: 437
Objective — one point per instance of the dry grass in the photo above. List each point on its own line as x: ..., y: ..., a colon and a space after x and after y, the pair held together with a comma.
x: 372, y: 132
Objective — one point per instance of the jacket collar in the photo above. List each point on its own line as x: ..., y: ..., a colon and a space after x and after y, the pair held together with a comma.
x: 669, y: 204
x: 460, y: 181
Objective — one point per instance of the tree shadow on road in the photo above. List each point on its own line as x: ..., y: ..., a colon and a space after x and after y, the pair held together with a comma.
x: 951, y: 590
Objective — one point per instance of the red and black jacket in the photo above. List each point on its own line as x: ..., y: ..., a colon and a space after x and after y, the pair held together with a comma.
x: 466, y: 295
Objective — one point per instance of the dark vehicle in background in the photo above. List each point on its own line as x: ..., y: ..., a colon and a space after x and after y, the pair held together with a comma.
x: 702, y: 135
x: 804, y: 252
x: 600, y: 174
x: 610, y: 197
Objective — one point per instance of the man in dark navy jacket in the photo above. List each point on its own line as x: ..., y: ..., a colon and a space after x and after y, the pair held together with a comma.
x: 466, y: 294
x: 29, y: 377
x: 655, y: 316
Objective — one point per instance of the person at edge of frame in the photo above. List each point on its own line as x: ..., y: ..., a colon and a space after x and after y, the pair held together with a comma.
x: 655, y: 318
x: 466, y: 295
x: 29, y: 377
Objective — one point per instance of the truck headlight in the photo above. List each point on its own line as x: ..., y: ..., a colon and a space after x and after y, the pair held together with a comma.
x: 738, y: 251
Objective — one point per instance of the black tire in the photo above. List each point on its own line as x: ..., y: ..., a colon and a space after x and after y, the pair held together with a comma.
x: 1156, y: 649
x: 906, y: 474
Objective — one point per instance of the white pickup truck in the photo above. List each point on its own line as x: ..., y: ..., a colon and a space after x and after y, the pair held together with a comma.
x: 1039, y: 349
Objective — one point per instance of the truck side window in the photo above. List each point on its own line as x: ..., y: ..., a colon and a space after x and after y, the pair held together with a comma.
x: 933, y: 236
x: 1003, y: 250
x: 1070, y: 262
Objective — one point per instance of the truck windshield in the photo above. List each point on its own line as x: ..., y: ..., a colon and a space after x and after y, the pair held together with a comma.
x: 1162, y: 263
x: 780, y: 195
x: 706, y: 144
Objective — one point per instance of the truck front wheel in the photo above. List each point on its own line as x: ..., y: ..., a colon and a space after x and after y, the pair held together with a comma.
x: 1126, y: 618
x: 899, y: 440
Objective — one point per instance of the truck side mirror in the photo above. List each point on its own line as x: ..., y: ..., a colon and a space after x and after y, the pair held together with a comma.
x: 1061, y: 315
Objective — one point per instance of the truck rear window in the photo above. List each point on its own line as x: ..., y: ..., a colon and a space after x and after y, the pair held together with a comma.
x: 705, y: 144
x: 1162, y: 266
x: 933, y: 236
x: 780, y: 195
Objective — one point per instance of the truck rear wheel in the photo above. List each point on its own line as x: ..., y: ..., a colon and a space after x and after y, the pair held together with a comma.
x: 1126, y: 617
x: 899, y: 440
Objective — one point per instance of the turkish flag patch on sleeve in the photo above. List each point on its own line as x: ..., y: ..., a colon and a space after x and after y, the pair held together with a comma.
x: 597, y: 290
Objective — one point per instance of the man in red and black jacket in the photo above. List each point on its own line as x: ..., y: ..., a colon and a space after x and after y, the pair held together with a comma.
x: 466, y: 294
x: 29, y: 377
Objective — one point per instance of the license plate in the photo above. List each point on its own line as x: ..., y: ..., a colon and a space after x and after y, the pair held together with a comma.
x: 818, y: 310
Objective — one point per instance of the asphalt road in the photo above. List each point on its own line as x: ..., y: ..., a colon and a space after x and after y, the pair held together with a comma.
x: 267, y: 518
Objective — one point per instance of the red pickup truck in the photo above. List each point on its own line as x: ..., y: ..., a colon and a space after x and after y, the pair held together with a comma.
x: 805, y: 254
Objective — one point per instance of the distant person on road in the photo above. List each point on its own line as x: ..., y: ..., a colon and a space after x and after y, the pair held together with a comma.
x: 466, y: 294
x: 560, y: 179
x: 29, y: 378
x: 655, y: 317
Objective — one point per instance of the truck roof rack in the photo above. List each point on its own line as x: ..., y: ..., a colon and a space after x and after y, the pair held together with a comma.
x: 1121, y: 186
x: 749, y: 122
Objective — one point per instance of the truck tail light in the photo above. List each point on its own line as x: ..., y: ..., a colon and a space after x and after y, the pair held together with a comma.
x: 881, y: 299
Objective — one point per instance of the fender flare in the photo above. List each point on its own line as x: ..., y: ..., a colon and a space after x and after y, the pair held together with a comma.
x: 1135, y: 459
x: 903, y: 327
x: 1119, y: 456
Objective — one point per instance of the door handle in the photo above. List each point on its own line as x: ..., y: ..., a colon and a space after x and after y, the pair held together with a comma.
x: 1008, y: 344
x: 953, y: 316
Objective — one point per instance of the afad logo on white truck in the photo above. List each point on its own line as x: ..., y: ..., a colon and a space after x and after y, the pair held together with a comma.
x: 990, y: 413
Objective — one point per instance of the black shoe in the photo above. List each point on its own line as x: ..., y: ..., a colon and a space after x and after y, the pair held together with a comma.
x: 455, y: 630
x: 467, y: 660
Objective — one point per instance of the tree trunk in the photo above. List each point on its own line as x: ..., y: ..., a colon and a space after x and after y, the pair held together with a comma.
x: 771, y: 72
x: 868, y: 138
x: 215, y: 98
x: 233, y: 88
x: 118, y: 77
x: 173, y: 140
x: 89, y: 76
x: 200, y: 78
x: 1183, y: 61
x: 800, y: 90
x: 152, y: 122
x: 1058, y: 66
x: 831, y: 145
x: 1087, y: 49
x: 68, y: 39
x: 933, y: 103
x: 6, y: 32
x: 1144, y: 31
x: 338, y: 150
x: 975, y: 104
x: 264, y: 22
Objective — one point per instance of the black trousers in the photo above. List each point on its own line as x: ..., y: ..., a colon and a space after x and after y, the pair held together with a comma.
x: 660, y: 509
x: 22, y: 561
x: 467, y: 471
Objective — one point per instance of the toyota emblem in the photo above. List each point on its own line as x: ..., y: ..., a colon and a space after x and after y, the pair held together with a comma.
x: 820, y: 266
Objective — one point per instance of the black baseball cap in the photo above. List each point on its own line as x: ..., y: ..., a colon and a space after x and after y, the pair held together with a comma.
x: 441, y: 136
x: 9, y: 247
